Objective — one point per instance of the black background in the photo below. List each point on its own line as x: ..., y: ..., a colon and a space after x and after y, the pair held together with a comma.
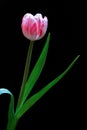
x: 59, y: 108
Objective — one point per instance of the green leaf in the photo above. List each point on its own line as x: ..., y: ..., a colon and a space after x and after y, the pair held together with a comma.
x: 12, y: 120
x: 11, y: 105
x: 32, y: 100
x: 36, y: 70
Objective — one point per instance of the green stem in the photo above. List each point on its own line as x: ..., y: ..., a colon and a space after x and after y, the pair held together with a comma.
x: 12, y: 123
x: 26, y: 72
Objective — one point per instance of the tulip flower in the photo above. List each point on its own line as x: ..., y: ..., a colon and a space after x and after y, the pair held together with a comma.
x: 34, y: 27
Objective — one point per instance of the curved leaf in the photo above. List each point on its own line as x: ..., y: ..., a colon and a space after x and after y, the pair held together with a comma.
x: 11, y: 105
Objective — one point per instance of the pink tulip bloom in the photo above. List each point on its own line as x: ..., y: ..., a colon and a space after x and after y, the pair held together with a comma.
x: 34, y: 27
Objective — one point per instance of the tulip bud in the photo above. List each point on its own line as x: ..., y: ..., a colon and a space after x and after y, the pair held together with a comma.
x: 34, y: 27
